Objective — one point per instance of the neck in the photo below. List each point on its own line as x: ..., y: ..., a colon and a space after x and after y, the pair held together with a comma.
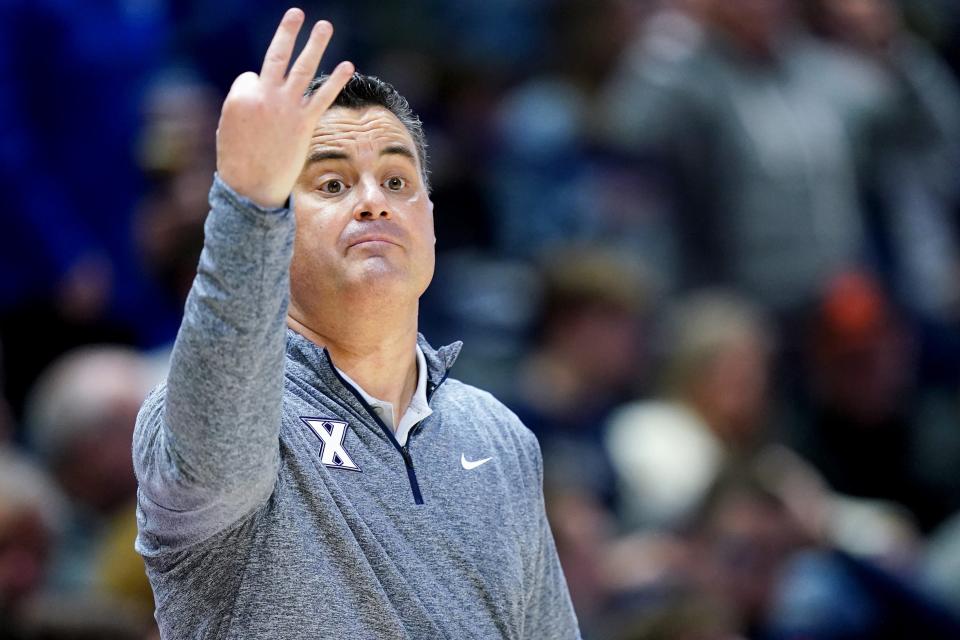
x: 376, y: 350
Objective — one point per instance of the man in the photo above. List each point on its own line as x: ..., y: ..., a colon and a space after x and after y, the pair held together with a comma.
x: 329, y: 480
x: 755, y: 121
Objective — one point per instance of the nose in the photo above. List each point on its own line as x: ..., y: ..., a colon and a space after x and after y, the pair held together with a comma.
x: 372, y: 203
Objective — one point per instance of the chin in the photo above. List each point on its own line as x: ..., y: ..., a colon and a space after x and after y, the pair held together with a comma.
x: 376, y: 275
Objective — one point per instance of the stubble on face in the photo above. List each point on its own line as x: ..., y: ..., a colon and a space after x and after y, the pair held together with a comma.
x: 364, y: 217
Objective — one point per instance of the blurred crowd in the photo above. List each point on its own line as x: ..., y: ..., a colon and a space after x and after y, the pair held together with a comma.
x: 707, y: 250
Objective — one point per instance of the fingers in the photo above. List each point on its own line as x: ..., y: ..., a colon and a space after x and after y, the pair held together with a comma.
x: 280, y: 51
x: 281, y: 47
x: 305, y: 67
x: 327, y: 93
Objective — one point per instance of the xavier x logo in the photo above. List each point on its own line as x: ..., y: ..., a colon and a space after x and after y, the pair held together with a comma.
x: 331, y: 434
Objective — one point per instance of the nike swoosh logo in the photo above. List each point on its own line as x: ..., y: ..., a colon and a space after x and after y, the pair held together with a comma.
x: 467, y: 464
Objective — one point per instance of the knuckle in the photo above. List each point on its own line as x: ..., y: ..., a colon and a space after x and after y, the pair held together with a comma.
x: 275, y: 58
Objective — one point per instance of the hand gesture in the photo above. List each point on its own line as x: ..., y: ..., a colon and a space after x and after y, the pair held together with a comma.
x: 266, y: 122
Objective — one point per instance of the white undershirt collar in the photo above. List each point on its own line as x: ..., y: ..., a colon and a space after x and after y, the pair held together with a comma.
x: 417, y: 411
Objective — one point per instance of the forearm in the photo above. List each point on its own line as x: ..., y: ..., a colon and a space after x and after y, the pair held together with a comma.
x: 222, y: 408
x: 206, y: 447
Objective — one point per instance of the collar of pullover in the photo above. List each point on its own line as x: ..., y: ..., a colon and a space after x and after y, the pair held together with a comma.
x: 314, y: 358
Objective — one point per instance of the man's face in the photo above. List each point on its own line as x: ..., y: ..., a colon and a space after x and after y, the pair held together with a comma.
x: 754, y: 24
x: 364, y: 218
x: 869, y: 24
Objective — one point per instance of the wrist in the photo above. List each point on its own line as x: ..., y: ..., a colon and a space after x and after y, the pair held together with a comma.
x: 223, y: 185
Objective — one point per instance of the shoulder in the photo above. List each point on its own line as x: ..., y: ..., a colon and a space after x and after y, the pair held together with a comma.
x: 461, y: 396
x: 486, y: 414
x: 851, y: 81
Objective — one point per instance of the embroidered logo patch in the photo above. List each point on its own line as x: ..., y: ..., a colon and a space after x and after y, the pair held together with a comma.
x: 472, y: 464
x: 331, y: 434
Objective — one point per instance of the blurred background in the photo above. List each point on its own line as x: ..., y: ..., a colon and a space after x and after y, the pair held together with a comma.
x: 708, y: 250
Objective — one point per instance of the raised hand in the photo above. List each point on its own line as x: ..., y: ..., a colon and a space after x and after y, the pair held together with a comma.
x: 266, y: 122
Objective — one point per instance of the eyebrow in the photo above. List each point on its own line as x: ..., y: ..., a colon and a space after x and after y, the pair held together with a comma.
x: 320, y: 155
x: 399, y: 150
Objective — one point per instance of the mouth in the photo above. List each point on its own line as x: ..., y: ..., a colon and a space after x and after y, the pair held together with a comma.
x: 373, y: 241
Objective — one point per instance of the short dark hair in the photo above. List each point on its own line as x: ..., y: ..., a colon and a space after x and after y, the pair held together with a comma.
x: 370, y: 91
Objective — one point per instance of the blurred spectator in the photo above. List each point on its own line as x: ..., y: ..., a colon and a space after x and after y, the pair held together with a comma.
x: 870, y: 431
x: 684, y: 615
x: 80, y: 418
x: 35, y: 334
x: 700, y: 458
x: 177, y: 153
x: 752, y: 551
x: 32, y: 512
x: 585, y: 532
x: 550, y: 184
x: 744, y: 536
x: 760, y: 126
x: 910, y: 161
x: 587, y: 359
x: 712, y: 409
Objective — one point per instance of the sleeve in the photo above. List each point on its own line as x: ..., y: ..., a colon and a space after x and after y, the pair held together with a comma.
x: 206, y: 447
x: 549, y: 612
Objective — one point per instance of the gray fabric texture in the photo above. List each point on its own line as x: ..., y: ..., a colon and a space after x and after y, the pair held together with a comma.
x: 247, y: 534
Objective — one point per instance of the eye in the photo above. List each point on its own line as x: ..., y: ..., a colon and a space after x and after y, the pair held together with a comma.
x: 333, y: 187
x: 396, y: 183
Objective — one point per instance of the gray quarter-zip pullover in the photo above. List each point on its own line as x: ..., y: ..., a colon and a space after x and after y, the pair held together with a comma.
x: 274, y: 504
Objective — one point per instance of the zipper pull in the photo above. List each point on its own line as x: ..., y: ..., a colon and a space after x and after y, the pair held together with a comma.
x: 407, y: 458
